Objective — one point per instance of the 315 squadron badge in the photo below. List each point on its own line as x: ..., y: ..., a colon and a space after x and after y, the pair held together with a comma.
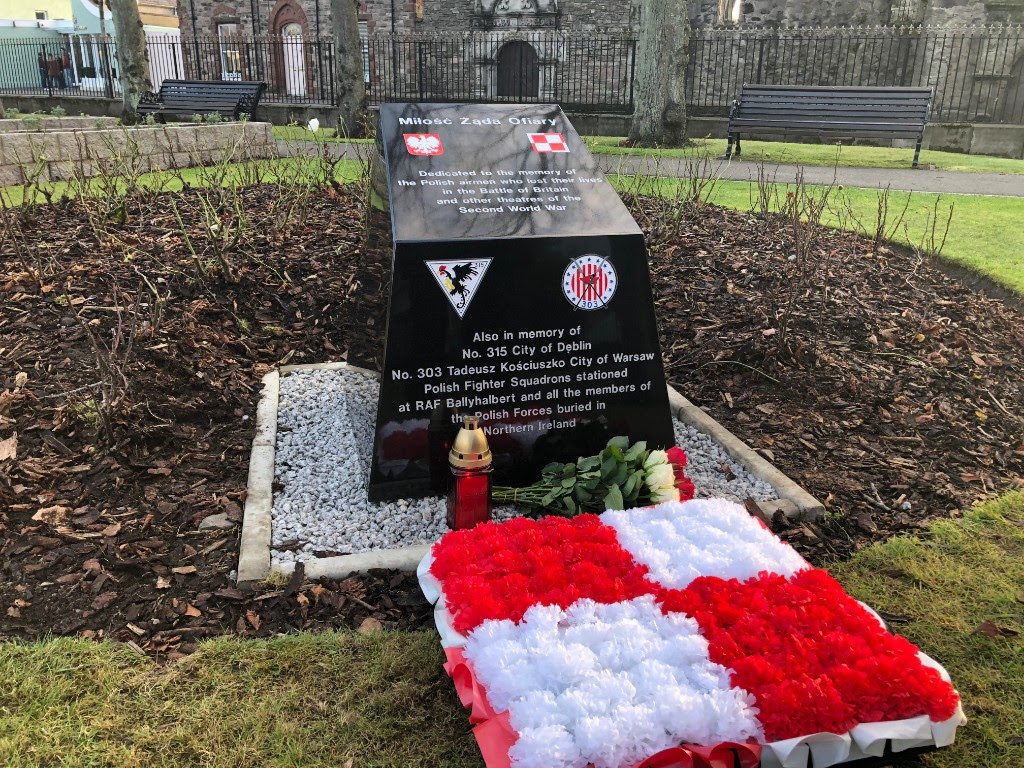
x: 459, y: 279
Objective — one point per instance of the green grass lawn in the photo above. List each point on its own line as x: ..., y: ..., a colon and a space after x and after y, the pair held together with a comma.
x: 986, y: 234
x: 820, y: 154
x: 770, y: 151
x: 302, y: 133
x: 381, y: 700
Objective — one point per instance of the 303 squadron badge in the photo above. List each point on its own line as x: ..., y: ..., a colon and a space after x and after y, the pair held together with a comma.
x: 589, y: 282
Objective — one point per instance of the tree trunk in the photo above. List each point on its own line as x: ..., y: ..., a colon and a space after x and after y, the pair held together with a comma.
x: 659, y: 92
x: 348, y: 66
x: 132, y: 56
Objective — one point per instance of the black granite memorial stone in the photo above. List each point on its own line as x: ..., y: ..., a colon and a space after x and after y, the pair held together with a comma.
x: 520, y: 292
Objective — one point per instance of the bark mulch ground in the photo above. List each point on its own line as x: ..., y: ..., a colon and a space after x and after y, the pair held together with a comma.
x: 132, y: 355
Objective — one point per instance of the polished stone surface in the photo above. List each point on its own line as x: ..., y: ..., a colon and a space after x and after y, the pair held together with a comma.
x: 484, y: 148
x: 535, y: 314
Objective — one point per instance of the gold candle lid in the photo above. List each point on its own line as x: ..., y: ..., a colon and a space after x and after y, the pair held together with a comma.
x: 470, y: 449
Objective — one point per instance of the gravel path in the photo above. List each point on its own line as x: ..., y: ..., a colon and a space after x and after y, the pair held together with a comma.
x: 322, y: 463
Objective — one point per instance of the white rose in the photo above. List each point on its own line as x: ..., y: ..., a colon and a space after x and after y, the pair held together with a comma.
x: 313, y: 125
x: 660, y: 478
x: 655, y: 458
x: 665, y: 494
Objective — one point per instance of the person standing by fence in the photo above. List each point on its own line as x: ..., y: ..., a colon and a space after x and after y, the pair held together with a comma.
x: 68, y: 72
x: 44, y: 77
x: 54, y: 72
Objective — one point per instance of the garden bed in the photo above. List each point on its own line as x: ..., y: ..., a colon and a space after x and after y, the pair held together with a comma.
x: 894, y: 396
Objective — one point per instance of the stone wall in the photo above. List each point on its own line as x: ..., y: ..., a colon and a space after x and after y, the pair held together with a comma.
x: 61, y: 155
x: 411, y: 16
x: 35, y: 123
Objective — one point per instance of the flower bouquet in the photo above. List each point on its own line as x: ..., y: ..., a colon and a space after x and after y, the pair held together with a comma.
x: 683, y: 634
x: 622, y: 476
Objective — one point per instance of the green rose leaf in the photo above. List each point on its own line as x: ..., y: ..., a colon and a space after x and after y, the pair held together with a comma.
x: 620, y: 475
x: 632, y: 485
x: 608, y: 468
x: 621, y: 442
x: 635, y: 452
x: 614, y: 498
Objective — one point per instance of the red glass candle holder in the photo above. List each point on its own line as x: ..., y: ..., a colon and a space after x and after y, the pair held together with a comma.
x: 469, y: 498
x: 469, y: 495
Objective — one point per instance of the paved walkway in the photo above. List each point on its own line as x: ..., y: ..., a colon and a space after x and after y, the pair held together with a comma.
x: 945, y: 182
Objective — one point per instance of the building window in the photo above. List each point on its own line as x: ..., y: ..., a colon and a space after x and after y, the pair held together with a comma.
x: 42, y: 15
x: 230, y: 51
x: 730, y: 11
x: 907, y: 11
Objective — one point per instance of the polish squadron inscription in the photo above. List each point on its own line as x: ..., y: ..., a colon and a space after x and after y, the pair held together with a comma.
x: 520, y: 293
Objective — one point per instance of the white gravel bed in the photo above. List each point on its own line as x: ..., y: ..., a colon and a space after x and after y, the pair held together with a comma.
x: 325, y: 424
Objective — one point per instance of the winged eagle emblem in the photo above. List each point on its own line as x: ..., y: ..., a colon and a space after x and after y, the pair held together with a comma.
x: 454, y: 281
x: 423, y: 143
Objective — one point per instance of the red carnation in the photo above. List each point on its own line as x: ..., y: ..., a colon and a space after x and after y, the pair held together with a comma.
x: 556, y: 562
x: 813, y: 658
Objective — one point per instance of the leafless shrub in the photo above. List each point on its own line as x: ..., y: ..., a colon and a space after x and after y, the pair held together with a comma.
x: 113, y: 354
x: 766, y: 197
x: 803, y: 211
x: 935, y: 231
x: 887, y: 222
x: 223, y: 228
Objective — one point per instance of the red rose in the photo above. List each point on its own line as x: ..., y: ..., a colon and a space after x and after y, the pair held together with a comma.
x: 676, y: 457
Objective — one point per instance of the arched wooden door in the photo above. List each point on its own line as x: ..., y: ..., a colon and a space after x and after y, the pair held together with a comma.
x: 518, y: 72
x: 294, y: 59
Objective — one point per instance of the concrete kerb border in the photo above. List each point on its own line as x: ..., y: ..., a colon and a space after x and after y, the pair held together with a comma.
x: 794, y: 501
x: 254, y: 562
x: 254, y: 550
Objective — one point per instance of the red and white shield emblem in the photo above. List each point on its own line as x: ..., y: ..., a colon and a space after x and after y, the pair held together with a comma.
x: 424, y: 144
x: 548, y: 142
x: 589, y: 282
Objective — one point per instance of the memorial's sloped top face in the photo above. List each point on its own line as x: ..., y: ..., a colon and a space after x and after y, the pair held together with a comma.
x: 487, y: 171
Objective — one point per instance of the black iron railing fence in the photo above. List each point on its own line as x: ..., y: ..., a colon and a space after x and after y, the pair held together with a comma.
x: 583, y: 73
x: 977, y: 73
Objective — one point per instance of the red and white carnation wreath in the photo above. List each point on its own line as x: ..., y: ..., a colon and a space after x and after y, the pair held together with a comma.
x: 683, y: 634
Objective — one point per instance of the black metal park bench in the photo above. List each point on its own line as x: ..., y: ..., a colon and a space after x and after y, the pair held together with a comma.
x: 891, y: 113
x: 231, y: 99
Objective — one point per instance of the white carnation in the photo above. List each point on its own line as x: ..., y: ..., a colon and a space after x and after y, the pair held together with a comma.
x: 680, y: 542
x: 607, y: 685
